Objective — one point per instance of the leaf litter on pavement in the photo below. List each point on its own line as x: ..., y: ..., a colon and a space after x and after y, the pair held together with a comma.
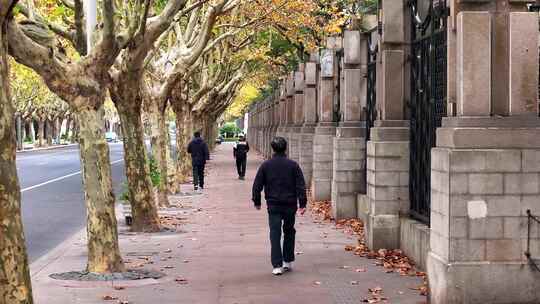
x: 390, y: 260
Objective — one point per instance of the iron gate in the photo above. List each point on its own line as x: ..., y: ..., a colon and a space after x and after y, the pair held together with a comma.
x: 371, y: 101
x: 371, y: 98
x: 428, y: 96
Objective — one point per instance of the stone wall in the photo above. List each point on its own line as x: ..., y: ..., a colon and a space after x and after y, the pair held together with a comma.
x: 323, y: 151
x: 306, y: 153
x: 479, y: 224
x: 348, y: 175
x: 388, y: 192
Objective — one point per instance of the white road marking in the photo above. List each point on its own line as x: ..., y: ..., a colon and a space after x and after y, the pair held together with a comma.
x: 61, y: 178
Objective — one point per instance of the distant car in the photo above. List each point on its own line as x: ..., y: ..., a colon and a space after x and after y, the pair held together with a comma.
x: 219, y: 140
x: 111, y: 137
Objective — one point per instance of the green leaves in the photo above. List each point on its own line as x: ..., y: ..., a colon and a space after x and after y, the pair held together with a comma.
x: 155, y: 174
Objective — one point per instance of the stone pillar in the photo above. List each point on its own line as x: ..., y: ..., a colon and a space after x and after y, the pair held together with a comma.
x: 310, y: 121
x: 266, y: 125
x: 275, y: 119
x: 250, y: 128
x: 289, y: 134
x: 269, y: 127
x: 325, y: 131
x: 349, y: 143
x: 260, y: 125
x: 485, y: 169
x: 388, y: 147
x: 296, y: 130
x: 282, y: 112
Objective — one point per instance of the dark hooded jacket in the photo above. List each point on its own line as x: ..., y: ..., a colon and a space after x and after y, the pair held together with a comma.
x: 199, y: 151
x: 283, y: 183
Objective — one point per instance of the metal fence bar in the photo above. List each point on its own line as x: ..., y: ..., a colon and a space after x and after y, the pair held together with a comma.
x: 428, y: 98
x: 530, y: 219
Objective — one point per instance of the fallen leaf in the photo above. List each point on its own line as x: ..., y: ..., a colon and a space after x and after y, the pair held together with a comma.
x: 354, y: 282
x: 360, y: 270
x: 119, y: 287
x: 109, y: 298
x: 375, y: 289
x: 181, y: 281
x: 317, y: 283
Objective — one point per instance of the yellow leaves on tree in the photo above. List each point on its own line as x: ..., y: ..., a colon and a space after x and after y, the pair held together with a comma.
x: 246, y: 95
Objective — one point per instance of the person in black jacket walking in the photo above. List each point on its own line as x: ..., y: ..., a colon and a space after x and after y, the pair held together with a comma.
x: 240, y: 151
x: 285, y: 190
x: 199, y: 155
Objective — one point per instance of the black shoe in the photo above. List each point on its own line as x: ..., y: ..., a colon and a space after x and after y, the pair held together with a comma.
x: 195, y: 188
x: 242, y: 178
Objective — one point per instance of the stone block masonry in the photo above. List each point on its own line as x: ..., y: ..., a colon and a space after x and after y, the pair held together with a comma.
x: 323, y: 151
x: 348, y: 175
x: 479, y: 224
x: 306, y: 153
x: 387, y: 192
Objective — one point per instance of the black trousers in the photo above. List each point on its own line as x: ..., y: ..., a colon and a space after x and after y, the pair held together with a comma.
x: 282, y: 217
x: 241, y: 166
x: 198, y: 175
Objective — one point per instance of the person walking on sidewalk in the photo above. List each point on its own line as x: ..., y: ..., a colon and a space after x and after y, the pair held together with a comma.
x: 199, y: 155
x: 285, y: 190
x: 240, y: 151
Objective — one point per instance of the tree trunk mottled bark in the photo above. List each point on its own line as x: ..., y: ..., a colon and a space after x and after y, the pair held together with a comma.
x: 24, y: 131
x: 15, y: 285
x: 184, y: 133
x: 49, y: 130
x: 171, y: 168
x: 159, y: 140
x: 103, y: 250
x: 32, y: 131
x: 76, y: 131
x: 141, y: 190
x: 41, y: 133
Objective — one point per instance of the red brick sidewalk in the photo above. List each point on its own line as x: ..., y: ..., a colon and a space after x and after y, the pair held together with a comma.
x: 224, y: 257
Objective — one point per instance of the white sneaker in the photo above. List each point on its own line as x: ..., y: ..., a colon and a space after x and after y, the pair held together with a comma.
x: 287, y: 266
x: 277, y: 271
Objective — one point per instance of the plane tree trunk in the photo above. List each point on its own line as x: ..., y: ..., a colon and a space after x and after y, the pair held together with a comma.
x: 103, y: 250
x: 141, y: 191
x: 160, y: 140
x: 15, y: 285
x: 184, y: 132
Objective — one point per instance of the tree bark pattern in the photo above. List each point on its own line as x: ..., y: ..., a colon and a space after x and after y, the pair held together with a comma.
x: 103, y: 250
x: 184, y: 132
x: 159, y: 140
x: 141, y: 192
x: 15, y: 284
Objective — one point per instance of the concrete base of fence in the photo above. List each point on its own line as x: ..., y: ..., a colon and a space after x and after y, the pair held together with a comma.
x: 306, y: 152
x: 387, y: 183
x: 295, y: 141
x: 323, y: 150
x: 414, y: 240
x: 483, y: 181
x: 349, y: 176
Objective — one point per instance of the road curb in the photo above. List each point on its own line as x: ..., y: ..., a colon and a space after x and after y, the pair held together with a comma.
x: 48, y: 148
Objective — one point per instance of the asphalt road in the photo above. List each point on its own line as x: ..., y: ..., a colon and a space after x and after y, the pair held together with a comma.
x: 52, y: 195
